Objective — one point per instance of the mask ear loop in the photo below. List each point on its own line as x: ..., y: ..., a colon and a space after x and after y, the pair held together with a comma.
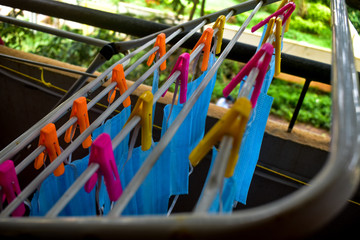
x: 99, y: 209
x: 68, y: 161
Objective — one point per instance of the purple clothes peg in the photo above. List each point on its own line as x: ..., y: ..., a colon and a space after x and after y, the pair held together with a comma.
x: 290, y: 7
x: 182, y: 65
x: 10, y: 186
x: 102, y: 154
x: 266, y: 49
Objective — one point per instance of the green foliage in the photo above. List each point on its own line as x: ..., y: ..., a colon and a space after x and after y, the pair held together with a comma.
x: 354, y: 16
x: 318, y: 12
x: 307, y: 25
x: 316, y: 108
x: 54, y: 47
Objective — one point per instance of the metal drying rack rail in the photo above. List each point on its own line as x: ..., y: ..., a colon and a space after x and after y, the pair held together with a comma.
x: 310, y: 207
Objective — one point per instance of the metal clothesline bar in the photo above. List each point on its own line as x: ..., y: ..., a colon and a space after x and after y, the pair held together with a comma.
x: 23, y: 164
x: 55, y: 31
x: 169, y: 134
x: 47, y: 65
x: 52, y: 166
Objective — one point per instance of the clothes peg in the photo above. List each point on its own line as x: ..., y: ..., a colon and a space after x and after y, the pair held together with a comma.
x: 10, y: 186
x: 102, y: 154
x: 277, y: 46
x: 118, y: 76
x: 206, y: 39
x: 277, y: 42
x: 286, y: 11
x: 79, y: 110
x: 160, y: 42
x: 289, y: 19
x: 233, y: 123
x: 266, y: 49
x: 220, y: 24
x: 49, y: 139
x: 182, y: 65
x: 143, y: 108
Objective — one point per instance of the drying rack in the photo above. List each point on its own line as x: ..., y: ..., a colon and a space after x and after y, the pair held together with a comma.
x: 309, y: 207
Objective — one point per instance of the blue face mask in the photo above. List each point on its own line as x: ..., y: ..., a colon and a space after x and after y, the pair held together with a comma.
x: 188, y: 135
x: 153, y: 195
x: 83, y: 204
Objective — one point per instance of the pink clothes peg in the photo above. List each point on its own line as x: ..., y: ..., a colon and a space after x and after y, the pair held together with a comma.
x: 10, y: 186
x: 289, y: 8
x: 182, y: 65
x: 254, y: 62
x: 102, y: 154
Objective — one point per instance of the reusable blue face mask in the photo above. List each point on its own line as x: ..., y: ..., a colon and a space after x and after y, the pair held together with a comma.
x: 188, y: 135
x: 153, y: 195
x: 83, y: 203
x: 250, y: 147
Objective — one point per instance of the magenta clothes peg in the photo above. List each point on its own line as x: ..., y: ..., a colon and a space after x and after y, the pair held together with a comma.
x: 10, y: 186
x: 102, y: 154
x: 254, y: 62
x: 289, y: 8
x: 182, y: 65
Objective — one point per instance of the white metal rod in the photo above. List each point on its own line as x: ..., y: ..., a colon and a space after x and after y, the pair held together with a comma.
x: 169, y: 134
x: 216, y: 176
x: 249, y: 83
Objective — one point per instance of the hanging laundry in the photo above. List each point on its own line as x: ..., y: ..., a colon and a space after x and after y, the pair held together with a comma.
x: 153, y: 195
x: 252, y: 140
x: 83, y: 204
x: 189, y: 134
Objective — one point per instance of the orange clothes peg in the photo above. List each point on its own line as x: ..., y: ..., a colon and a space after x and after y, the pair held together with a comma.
x: 160, y: 42
x: 143, y: 108
x: 49, y: 139
x: 220, y: 24
x: 79, y: 110
x: 233, y: 123
x: 118, y: 76
x: 206, y: 39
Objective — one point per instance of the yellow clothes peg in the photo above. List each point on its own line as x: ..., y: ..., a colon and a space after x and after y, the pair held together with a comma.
x: 220, y: 24
x: 143, y: 108
x: 277, y: 46
x: 277, y: 42
x: 233, y: 123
